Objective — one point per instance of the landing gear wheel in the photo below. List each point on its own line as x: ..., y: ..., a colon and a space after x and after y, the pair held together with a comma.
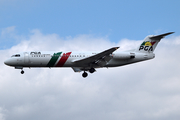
x: 92, y: 70
x: 22, y: 72
x: 85, y: 74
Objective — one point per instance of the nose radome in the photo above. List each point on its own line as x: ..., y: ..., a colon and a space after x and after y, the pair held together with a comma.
x: 7, y: 62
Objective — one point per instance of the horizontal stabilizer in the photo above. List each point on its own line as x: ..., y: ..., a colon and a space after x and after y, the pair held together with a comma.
x: 159, y: 37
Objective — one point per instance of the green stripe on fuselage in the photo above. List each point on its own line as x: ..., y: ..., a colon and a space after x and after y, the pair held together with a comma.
x: 53, y: 59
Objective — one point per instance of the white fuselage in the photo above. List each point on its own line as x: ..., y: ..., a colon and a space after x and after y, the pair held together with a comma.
x: 66, y: 59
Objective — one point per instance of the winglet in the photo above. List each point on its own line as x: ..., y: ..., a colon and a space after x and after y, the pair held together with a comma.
x: 158, y: 37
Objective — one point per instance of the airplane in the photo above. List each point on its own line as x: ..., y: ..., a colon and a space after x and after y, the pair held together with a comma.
x: 86, y: 61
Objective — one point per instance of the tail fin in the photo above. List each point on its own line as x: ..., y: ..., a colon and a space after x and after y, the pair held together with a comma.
x: 150, y: 42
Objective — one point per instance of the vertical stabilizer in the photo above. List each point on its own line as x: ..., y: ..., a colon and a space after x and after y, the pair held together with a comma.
x: 150, y: 42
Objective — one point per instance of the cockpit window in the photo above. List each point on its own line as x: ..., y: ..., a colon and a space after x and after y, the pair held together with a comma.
x: 17, y: 55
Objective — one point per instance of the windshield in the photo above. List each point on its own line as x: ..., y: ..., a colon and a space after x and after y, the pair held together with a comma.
x: 17, y: 55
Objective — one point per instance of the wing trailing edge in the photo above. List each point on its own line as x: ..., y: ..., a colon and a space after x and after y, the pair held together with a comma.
x: 102, y: 56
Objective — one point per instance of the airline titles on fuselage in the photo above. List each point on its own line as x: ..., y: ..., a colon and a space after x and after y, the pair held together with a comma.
x: 39, y: 54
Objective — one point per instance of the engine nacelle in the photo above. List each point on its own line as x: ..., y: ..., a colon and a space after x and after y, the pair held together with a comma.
x: 124, y: 56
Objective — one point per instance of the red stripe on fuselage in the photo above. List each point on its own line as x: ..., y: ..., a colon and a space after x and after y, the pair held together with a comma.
x: 63, y: 59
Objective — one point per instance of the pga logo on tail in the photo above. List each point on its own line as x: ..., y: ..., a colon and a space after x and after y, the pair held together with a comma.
x: 147, y: 46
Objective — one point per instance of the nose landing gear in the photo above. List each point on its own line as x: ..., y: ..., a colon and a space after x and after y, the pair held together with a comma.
x: 22, y: 71
x: 20, y: 67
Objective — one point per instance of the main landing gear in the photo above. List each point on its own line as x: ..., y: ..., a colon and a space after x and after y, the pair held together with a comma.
x: 92, y: 70
x: 85, y: 74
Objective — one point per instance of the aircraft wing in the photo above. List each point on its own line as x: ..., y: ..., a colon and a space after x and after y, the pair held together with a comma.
x: 99, y: 59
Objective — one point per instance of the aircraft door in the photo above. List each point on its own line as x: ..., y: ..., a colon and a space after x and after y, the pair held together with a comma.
x: 26, y: 58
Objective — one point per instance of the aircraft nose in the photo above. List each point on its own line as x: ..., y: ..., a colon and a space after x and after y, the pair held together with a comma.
x: 7, y: 62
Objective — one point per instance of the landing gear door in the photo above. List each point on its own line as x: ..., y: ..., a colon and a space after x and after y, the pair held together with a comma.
x: 26, y: 58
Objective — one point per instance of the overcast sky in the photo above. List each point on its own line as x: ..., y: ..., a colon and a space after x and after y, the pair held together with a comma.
x: 142, y: 91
